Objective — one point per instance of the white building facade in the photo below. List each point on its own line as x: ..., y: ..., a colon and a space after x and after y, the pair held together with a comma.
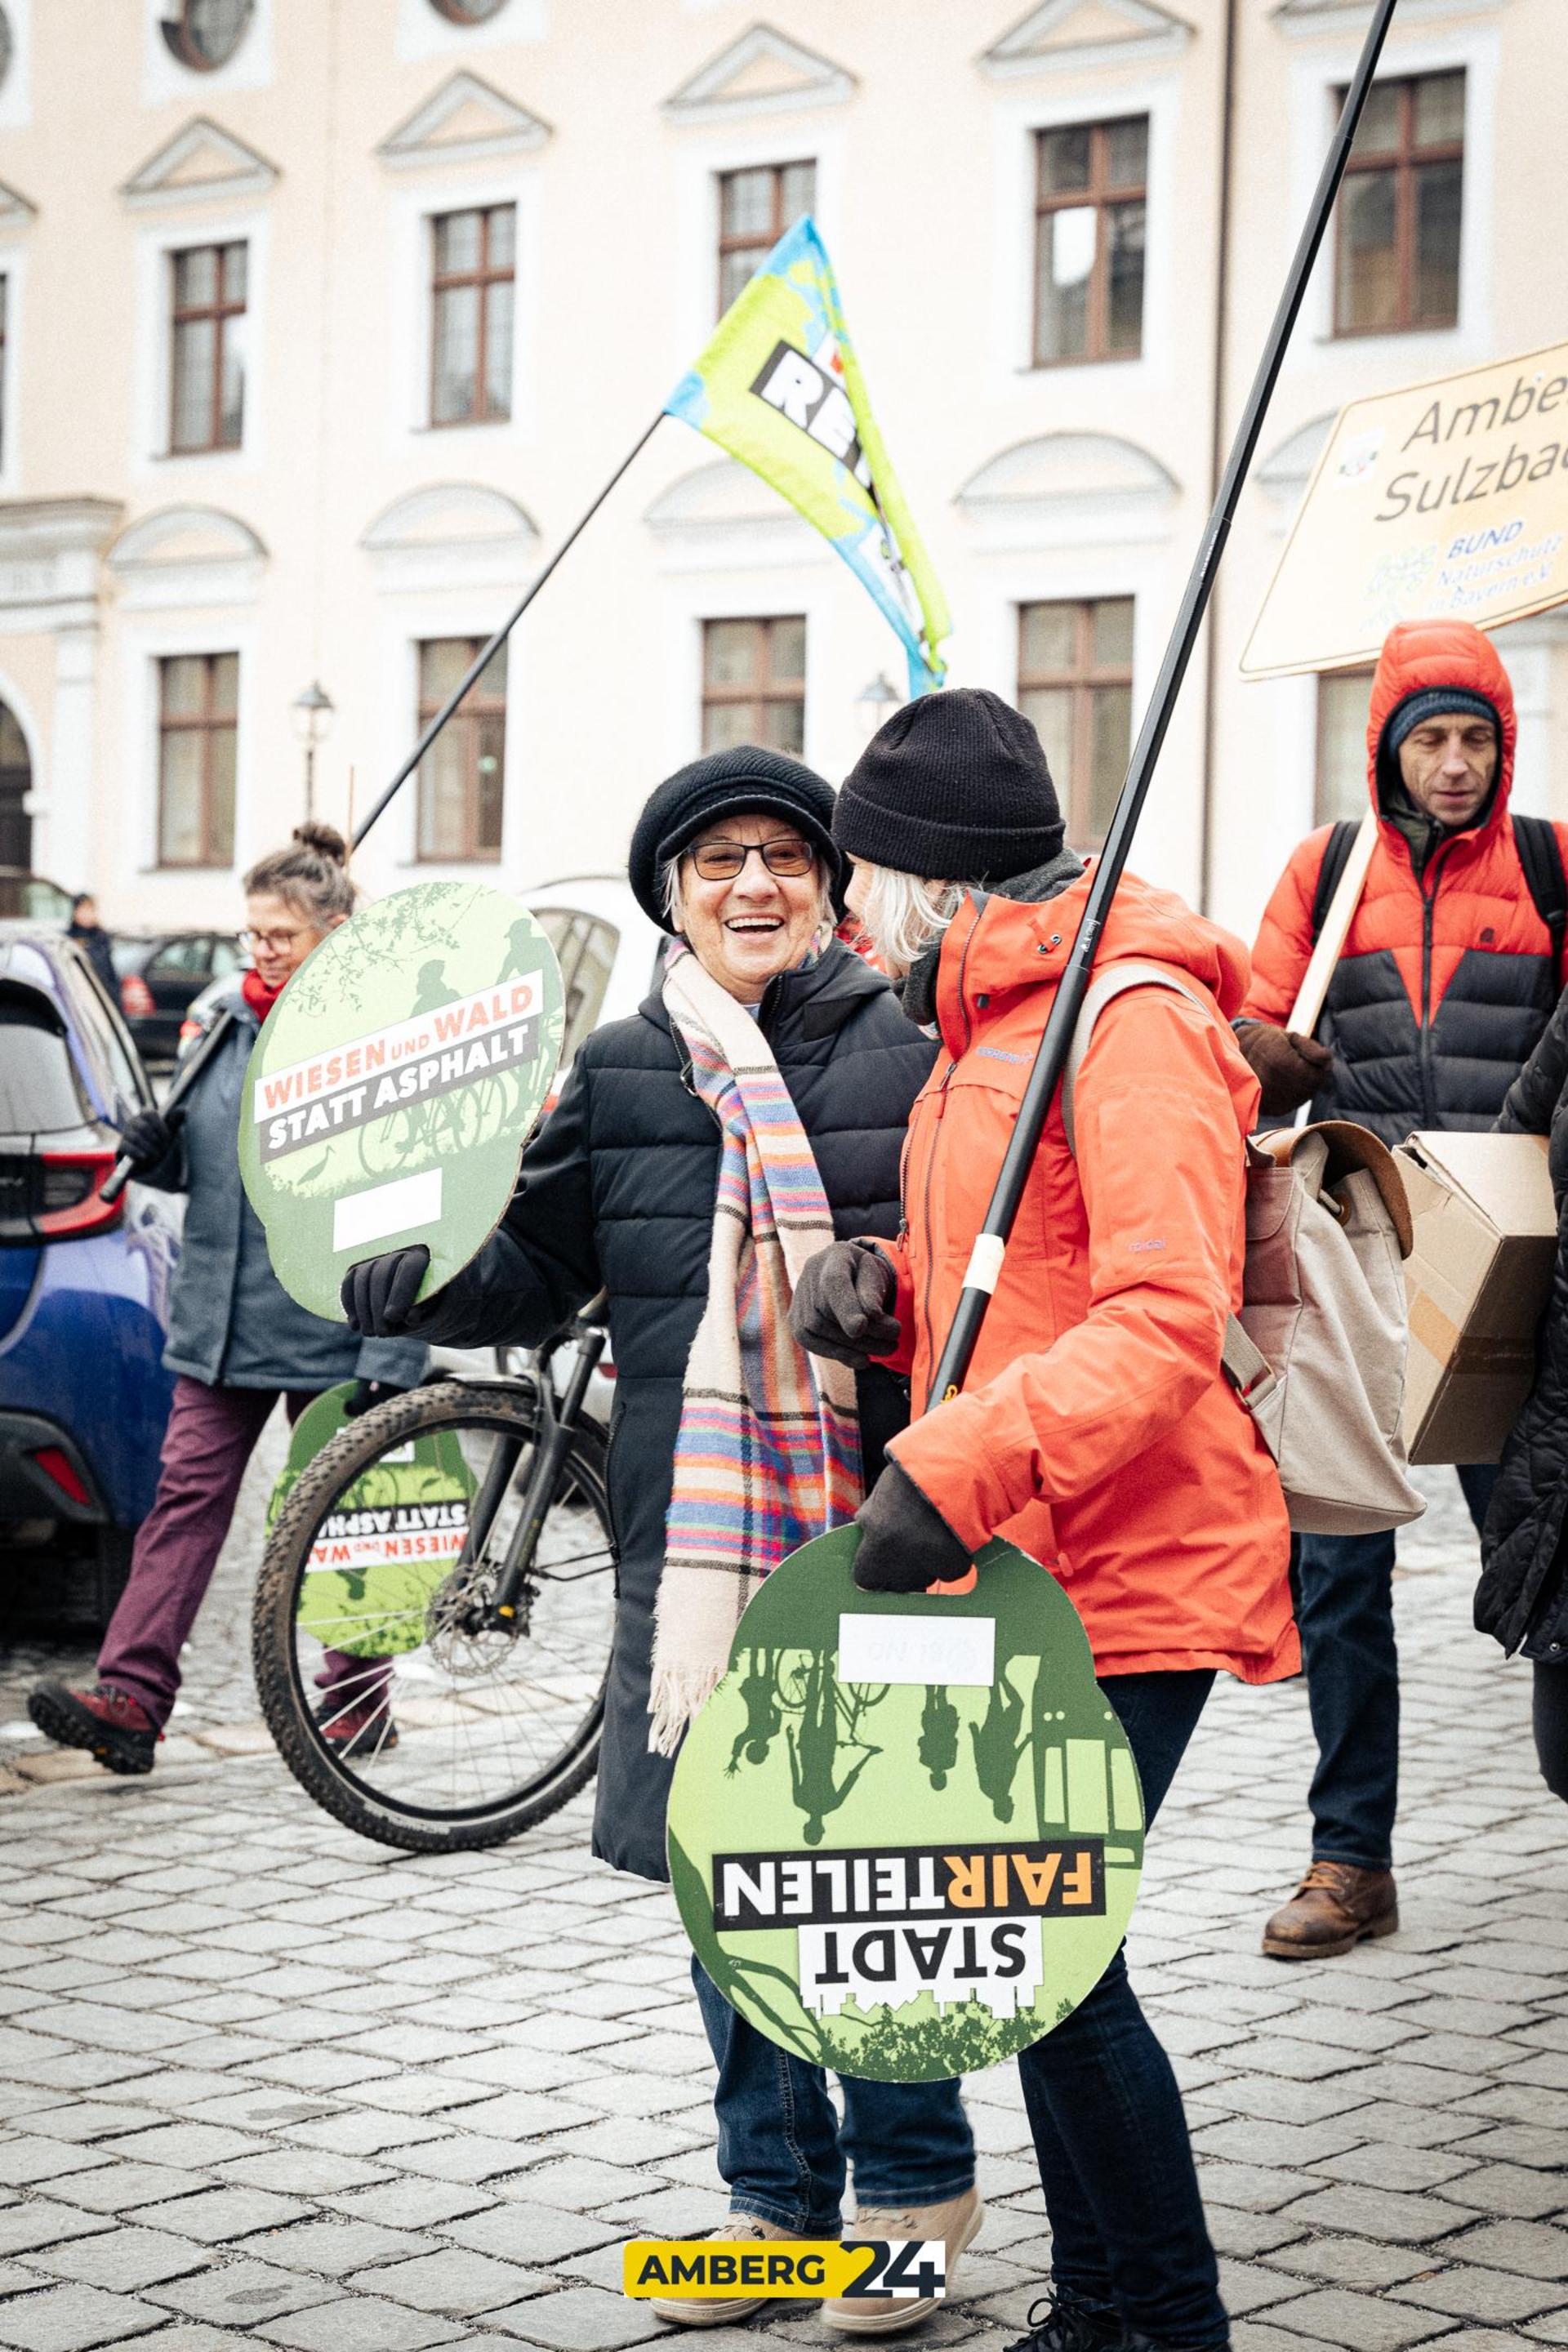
x: 323, y: 319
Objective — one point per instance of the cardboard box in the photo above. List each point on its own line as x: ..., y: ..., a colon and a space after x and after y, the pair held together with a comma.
x: 1477, y: 1281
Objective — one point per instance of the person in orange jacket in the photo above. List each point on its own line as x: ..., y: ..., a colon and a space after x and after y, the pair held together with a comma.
x: 1097, y: 1429
x: 1444, y: 985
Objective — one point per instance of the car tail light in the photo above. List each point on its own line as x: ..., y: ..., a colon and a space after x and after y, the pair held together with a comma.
x: 136, y: 998
x: 58, y: 1468
x: 69, y: 1183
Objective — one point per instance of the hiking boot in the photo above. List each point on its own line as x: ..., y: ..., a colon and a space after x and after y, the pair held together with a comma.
x: 956, y: 2223
x: 116, y: 1731
x: 737, y: 2306
x: 366, y: 1730
x: 1335, y: 1907
x: 1058, y: 2326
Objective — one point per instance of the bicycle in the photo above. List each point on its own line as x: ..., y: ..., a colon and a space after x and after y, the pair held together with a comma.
x: 443, y: 1573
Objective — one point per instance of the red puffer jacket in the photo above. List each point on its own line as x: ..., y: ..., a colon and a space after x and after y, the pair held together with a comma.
x: 1445, y: 980
x: 1097, y: 1429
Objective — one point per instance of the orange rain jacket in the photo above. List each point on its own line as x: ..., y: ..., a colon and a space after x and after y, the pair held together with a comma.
x: 1445, y: 980
x: 1097, y: 1429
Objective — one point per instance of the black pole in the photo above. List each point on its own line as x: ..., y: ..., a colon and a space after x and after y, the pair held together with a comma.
x: 494, y: 643
x: 985, y: 1265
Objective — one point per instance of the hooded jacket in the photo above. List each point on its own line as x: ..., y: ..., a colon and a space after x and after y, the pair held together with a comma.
x: 1097, y: 1430
x: 1446, y: 978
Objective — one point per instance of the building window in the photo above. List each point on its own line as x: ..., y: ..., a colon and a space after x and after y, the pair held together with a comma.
x: 467, y: 12
x: 1075, y: 682
x: 205, y: 34
x: 753, y: 682
x: 206, y: 374
x: 4, y: 357
x: 198, y: 716
x: 462, y: 777
x: 1343, y: 699
x: 472, y: 289
x: 1400, y: 209
x: 755, y: 208
x: 1090, y: 205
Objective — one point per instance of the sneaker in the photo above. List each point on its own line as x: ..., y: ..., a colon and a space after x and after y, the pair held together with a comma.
x: 1057, y: 2326
x: 737, y: 2306
x: 956, y: 2223
x: 1335, y: 1907
x: 117, y: 1730
x: 366, y: 1730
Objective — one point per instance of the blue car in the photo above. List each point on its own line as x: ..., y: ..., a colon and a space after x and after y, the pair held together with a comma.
x: 84, y: 1289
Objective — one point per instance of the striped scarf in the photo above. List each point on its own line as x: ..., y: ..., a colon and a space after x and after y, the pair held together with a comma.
x: 768, y: 1453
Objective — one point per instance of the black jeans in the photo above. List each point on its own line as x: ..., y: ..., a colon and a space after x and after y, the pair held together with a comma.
x: 1127, y: 2222
x: 1344, y: 1607
x: 1549, y: 1710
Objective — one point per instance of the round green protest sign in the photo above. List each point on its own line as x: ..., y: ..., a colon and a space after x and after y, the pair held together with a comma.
x: 906, y: 1830
x: 391, y: 1091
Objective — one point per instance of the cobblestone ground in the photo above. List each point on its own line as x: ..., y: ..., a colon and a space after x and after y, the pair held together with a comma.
x: 260, y: 2083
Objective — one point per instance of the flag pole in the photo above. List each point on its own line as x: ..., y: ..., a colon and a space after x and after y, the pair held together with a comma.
x: 986, y: 1263
x: 114, y: 1183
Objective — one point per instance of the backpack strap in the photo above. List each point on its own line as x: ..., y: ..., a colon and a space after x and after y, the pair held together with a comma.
x: 1336, y: 857
x: 1246, y: 1367
x: 1541, y: 854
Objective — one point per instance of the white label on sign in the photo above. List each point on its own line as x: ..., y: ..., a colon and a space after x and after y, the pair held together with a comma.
x: 953, y: 1650
x: 395, y: 1208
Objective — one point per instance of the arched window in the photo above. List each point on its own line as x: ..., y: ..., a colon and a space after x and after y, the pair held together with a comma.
x: 467, y: 12
x: 6, y: 45
x: 205, y: 34
x: 15, y: 779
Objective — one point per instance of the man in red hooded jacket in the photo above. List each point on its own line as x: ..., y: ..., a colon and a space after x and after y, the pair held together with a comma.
x: 1447, y: 978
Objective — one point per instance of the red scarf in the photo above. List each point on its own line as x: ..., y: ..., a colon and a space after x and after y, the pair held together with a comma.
x: 258, y: 995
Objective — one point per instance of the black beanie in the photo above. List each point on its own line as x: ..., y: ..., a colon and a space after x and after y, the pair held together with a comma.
x: 954, y: 787
x: 1432, y: 702
x: 746, y: 780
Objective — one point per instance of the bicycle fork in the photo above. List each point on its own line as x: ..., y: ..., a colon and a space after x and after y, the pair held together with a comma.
x: 556, y: 1427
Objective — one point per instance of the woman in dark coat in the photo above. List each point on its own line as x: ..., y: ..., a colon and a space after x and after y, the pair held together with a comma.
x: 1522, y: 1597
x: 733, y: 854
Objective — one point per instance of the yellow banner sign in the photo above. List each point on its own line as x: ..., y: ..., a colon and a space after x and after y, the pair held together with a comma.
x: 702, y: 2269
x: 1444, y: 502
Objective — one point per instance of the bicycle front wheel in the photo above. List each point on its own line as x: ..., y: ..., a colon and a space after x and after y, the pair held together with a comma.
x: 399, y: 1698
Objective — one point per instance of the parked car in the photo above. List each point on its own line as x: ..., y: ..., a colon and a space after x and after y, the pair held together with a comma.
x: 84, y: 1289
x: 159, y: 979
x: 32, y: 897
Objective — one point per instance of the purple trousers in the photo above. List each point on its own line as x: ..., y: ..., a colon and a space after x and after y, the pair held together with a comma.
x: 211, y: 1437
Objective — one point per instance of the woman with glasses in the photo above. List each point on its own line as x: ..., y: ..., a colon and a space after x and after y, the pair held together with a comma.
x: 236, y: 1341
x: 758, y: 1098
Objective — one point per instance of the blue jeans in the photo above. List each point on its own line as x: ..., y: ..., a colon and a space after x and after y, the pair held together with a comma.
x: 1128, y: 2233
x: 1344, y: 1607
x: 784, y: 2151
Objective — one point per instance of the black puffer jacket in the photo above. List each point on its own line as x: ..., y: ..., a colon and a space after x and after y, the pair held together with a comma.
x: 1522, y: 1596
x: 618, y: 1193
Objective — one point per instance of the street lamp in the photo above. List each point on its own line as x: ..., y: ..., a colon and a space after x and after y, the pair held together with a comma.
x: 876, y: 702
x: 313, y: 712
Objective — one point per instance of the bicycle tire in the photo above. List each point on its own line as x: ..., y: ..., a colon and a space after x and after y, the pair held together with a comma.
x: 324, y: 1777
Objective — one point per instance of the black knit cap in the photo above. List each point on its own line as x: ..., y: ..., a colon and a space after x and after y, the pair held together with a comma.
x: 745, y: 781
x: 1433, y: 702
x: 954, y: 787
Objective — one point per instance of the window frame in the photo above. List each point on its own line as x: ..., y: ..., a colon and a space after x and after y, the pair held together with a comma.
x: 220, y: 311
x: 1099, y: 194
x: 483, y: 278
x: 1405, y: 160
x: 1083, y: 680
x: 181, y: 46
x: 764, y: 688
x: 477, y: 705
x: 725, y: 245
x: 208, y: 724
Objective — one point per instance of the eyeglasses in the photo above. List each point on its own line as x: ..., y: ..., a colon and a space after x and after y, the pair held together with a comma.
x: 271, y: 942
x: 723, y: 861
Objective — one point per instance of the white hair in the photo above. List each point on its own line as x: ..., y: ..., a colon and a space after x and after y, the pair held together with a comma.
x: 674, y: 887
x: 906, y: 916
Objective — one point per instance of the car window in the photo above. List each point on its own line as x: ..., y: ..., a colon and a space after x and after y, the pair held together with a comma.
x: 585, y: 950
x: 40, y: 1089
x: 184, y: 958
x: 225, y: 957
x: 129, y: 955
x: 116, y: 1083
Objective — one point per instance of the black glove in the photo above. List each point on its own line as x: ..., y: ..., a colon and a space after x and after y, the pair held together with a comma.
x: 905, y: 1542
x: 149, y: 1137
x: 379, y: 1293
x: 368, y: 1394
x: 1289, y: 1068
x: 842, y: 1305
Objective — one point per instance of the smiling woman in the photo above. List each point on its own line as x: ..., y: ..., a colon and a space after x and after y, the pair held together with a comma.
x: 751, y: 900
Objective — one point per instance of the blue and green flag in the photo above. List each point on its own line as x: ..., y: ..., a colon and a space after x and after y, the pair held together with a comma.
x: 779, y: 386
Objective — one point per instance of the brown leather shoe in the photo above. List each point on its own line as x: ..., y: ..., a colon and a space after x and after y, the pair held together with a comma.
x: 1335, y: 1907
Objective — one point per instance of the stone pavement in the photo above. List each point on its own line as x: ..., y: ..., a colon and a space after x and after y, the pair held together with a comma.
x: 263, y: 2083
